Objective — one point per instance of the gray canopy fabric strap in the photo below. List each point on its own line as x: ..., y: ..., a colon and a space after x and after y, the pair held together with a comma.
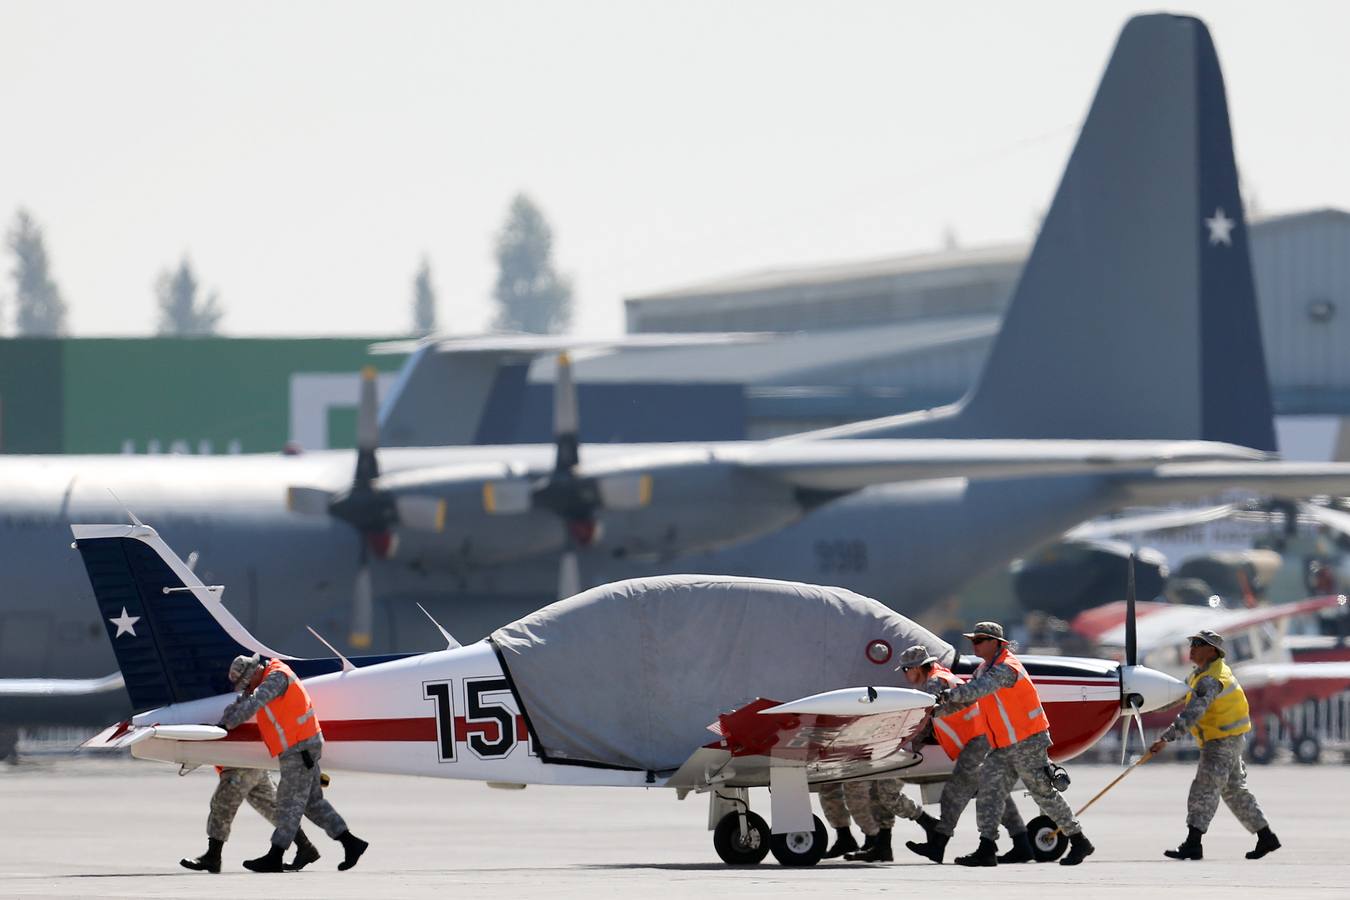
x: 631, y: 674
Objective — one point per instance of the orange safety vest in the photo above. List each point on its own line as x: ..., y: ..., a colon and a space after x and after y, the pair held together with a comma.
x: 289, y: 719
x: 1013, y: 713
x: 961, y: 727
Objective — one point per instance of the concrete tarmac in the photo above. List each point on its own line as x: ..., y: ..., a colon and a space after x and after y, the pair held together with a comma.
x: 117, y: 827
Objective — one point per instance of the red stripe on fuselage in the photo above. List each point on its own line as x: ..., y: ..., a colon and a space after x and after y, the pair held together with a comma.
x: 419, y: 728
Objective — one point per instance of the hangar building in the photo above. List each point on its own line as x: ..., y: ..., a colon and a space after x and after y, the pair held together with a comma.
x: 901, y: 333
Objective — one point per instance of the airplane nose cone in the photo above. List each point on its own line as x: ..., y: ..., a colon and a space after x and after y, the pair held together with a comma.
x: 1156, y: 689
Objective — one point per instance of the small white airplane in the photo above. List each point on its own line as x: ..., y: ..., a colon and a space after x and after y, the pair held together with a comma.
x: 659, y: 682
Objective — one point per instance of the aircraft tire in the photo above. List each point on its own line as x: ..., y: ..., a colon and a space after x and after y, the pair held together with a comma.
x: 1307, y: 749
x: 729, y: 846
x: 1047, y: 843
x: 802, y: 848
x: 1261, y: 753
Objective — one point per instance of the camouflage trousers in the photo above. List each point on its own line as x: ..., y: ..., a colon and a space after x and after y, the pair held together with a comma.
x: 964, y: 784
x: 870, y: 803
x: 1028, y: 759
x: 234, y: 787
x: 1222, y: 774
x: 300, y: 794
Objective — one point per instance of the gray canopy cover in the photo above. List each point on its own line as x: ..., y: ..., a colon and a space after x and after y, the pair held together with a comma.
x: 632, y: 673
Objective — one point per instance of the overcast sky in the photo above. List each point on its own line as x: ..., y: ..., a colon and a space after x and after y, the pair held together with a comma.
x: 306, y: 155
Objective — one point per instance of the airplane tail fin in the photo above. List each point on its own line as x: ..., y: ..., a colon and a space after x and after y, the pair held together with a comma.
x: 172, y: 638
x: 1135, y: 315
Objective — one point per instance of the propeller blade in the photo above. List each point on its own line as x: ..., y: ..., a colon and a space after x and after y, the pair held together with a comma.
x: 367, y: 434
x: 363, y: 606
x: 1139, y: 724
x: 368, y: 412
x: 566, y: 416
x: 569, y: 575
x: 1124, y: 738
x: 421, y: 513
x: 1131, y: 626
x: 625, y: 492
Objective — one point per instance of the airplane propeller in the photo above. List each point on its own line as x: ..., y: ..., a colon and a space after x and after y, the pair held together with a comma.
x: 375, y: 514
x: 1129, y: 701
x: 567, y: 492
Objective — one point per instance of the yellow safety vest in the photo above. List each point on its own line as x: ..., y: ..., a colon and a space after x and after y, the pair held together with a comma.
x: 1227, y: 714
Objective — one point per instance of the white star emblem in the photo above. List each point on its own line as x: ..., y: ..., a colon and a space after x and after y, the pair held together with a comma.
x: 124, y: 623
x: 1220, y: 229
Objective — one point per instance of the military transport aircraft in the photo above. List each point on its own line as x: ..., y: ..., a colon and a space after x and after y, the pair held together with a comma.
x: 668, y: 682
x: 1129, y: 263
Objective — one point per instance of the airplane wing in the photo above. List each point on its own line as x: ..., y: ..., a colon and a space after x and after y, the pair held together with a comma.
x: 34, y: 688
x: 1165, y: 623
x: 1186, y: 480
x: 851, y: 465
x: 1280, y: 685
x: 124, y: 734
x: 850, y: 733
x: 1149, y: 522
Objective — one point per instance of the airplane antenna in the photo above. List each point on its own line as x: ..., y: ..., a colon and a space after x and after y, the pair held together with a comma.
x: 346, y: 663
x: 126, y: 509
x: 450, y: 642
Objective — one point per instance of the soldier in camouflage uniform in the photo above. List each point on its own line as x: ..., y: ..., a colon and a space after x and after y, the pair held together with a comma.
x: 300, y: 792
x: 233, y: 787
x: 1001, y: 678
x: 920, y: 668
x: 1218, y: 715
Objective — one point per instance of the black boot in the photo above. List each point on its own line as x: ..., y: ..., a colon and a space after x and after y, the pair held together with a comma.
x: 928, y: 824
x: 210, y: 860
x: 1080, y: 848
x: 269, y: 862
x: 843, y: 843
x: 985, y: 855
x: 880, y: 851
x: 353, y: 846
x: 305, y: 853
x: 933, y: 849
x: 1021, y: 850
x: 1266, y: 842
x: 1189, y: 848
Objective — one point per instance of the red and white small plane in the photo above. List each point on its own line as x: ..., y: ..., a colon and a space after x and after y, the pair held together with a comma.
x: 1257, y: 648
x: 659, y: 682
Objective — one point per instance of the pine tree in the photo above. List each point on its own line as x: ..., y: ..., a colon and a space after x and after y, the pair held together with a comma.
x: 39, y: 308
x: 424, y: 301
x: 530, y: 295
x: 180, y: 312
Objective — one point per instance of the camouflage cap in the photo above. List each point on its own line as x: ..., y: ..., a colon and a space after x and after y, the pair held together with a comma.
x: 243, y: 667
x: 987, y: 629
x: 1213, y: 638
x: 917, y: 655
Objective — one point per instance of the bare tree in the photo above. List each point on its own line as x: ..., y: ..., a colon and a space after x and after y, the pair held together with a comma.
x: 39, y: 308
x: 180, y: 311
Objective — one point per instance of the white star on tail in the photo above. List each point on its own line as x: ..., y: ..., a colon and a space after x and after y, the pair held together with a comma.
x: 124, y: 623
x: 1220, y: 229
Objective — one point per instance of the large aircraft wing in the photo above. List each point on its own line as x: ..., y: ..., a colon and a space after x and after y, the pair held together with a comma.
x: 1279, y: 685
x: 1179, y: 481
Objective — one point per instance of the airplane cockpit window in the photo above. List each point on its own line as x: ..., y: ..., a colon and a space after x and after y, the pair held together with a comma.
x: 1242, y: 648
x: 1267, y: 637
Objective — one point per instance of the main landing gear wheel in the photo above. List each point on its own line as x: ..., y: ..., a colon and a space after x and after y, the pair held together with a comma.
x: 1307, y: 749
x: 736, y: 850
x: 1260, y: 752
x: 1047, y: 841
x: 801, y: 848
